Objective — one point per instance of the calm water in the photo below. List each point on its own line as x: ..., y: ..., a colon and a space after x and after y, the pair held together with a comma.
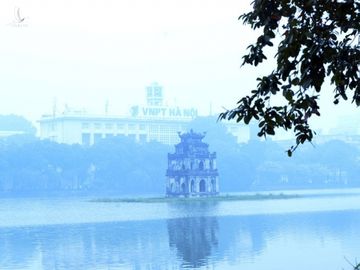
x: 312, y: 233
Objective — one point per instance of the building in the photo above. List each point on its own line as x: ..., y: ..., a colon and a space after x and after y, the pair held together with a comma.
x: 151, y: 122
x: 192, y: 168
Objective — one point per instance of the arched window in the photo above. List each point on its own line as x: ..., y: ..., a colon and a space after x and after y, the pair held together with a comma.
x: 201, y: 165
x: 183, y: 188
x: 202, y: 186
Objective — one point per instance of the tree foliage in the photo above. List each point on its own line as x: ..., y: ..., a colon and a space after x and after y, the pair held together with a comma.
x: 120, y: 166
x: 316, y: 39
x: 16, y: 123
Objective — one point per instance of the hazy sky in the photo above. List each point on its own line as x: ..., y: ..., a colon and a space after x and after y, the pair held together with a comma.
x: 82, y: 52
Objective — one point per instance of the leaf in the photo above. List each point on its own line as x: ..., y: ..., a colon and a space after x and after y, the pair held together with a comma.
x: 315, y: 40
x: 247, y: 119
x: 295, y: 81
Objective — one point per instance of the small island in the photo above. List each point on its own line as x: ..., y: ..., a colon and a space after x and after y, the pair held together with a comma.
x: 219, y: 198
x: 224, y: 198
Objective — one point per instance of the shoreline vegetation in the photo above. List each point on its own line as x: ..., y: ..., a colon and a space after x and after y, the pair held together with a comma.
x: 219, y: 198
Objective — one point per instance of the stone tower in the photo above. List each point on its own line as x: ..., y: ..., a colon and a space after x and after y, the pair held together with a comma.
x: 192, y: 168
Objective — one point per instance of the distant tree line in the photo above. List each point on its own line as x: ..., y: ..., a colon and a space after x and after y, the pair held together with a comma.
x: 261, y: 164
x: 13, y: 122
x: 122, y: 166
x: 115, y: 164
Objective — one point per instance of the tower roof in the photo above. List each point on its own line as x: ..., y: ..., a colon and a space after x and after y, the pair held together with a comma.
x: 191, y: 136
x: 192, y: 144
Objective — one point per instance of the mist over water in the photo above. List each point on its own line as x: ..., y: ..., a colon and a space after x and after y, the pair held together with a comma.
x: 189, y: 236
x: 95, y: 97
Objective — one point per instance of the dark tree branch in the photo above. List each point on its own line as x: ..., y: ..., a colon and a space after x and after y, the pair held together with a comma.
x: 317, y: 41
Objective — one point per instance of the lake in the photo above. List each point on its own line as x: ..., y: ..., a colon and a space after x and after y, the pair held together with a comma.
x: 69, y: 233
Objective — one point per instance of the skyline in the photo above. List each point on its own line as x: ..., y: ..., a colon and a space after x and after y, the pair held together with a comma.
x: 86, y: 53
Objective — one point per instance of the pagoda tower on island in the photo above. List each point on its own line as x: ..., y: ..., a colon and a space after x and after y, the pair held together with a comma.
x: 192, y: 168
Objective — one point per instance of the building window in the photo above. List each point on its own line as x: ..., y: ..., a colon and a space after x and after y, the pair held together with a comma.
x: 132, y: 127
x: 154, y: 128
x: 85, y: 138
x: 132, y: 136
x: 157, y: 91
x: 97, y: 137
x: 120, y: 126
x: 108, y: 126
x: 142, y: 137
x: 97, y: 125
x: 142, y: 127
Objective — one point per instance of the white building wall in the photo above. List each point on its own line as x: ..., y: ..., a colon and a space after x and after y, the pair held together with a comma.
x: 77, y: 130
x: 70, y: 132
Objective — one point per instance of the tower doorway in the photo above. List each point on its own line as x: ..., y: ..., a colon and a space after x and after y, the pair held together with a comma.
x: 202, y: 186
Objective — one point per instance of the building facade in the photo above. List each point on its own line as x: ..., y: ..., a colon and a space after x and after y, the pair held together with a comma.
x: 72, y: 128
x: 192, y: 168
x: 152, y: 122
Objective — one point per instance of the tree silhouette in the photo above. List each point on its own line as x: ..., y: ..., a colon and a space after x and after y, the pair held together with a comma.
x: 317, y: 39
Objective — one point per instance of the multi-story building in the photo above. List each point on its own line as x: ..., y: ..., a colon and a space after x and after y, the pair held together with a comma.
x: 152, y: 122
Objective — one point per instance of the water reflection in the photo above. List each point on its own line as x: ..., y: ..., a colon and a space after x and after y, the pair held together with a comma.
x: 16, y: 247
x: 194, y: 239
x: 130, y: 245
x: 201, y: 237
x: 197, y: 241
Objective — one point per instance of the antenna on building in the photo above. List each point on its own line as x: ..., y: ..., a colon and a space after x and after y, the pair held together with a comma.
x: 67, y: 108
x: 107, y: 106
x: 54, y: 108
